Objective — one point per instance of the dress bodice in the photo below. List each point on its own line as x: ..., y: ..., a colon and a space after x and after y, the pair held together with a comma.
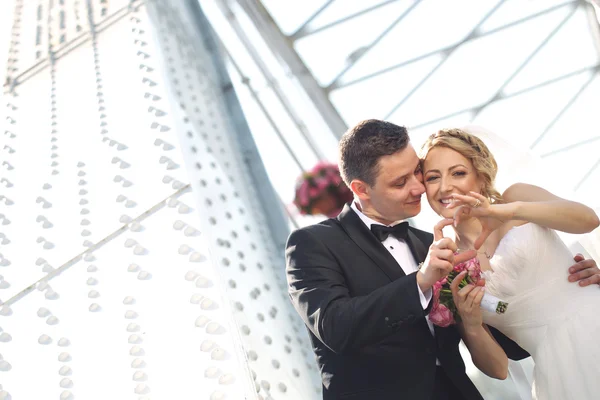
x: 550, y: 317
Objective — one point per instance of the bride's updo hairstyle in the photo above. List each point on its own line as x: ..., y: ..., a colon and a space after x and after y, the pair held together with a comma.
x: 474, y: 150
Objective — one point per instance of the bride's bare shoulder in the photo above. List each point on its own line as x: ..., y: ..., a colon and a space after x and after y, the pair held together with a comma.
x: 526, y: 192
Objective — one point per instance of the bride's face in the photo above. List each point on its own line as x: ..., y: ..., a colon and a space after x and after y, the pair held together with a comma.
x: 446, y: 171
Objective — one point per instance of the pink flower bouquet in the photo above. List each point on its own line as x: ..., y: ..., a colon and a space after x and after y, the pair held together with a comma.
x: 443, y: 311
x: 321, y: 191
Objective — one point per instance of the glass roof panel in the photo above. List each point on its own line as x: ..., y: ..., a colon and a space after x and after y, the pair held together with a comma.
x: 341, y: 9
x: 291, y: 15
x: 515, y: 10
x: 326, y: 53
x: 374, y: 97
x: 578, y: 124
x: 429, y: 27
x: 476, y: 70
x: 522, y: 118
x: 560, y: 56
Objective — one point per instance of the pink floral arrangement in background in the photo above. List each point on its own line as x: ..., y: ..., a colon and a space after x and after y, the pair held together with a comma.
x: 321, y: 191
x: 443, y: 311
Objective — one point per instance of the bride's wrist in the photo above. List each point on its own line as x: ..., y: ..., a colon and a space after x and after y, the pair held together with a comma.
x: 508, y: 211
x: 515, y: 210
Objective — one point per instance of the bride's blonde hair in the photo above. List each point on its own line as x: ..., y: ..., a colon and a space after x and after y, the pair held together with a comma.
x: 473, y: 149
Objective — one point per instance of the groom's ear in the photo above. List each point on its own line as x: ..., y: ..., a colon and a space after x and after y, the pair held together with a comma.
x: 360, y: 189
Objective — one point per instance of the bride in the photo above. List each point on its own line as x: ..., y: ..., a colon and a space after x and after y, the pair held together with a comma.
x: 524, y: 261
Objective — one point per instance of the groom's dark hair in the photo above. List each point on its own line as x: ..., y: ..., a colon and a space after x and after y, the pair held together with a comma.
x: 363, y: 145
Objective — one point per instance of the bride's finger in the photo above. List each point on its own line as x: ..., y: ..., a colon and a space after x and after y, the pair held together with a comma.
x: 472, y: 201
x: 473, y: 302
x: 481, y: 239
x: 479, y: 196
x: 479, y: 297
x: 455, y: 203
x: 462, y: 211
x: 456, y: 281
x: 470, y: 299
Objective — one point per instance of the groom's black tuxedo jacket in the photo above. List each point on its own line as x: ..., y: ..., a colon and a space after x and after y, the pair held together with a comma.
x: 365, y: 318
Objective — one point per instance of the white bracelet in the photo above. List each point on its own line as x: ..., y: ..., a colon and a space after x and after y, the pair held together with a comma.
x: 491, y: 303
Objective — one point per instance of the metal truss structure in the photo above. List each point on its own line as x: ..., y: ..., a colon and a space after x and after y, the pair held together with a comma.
x: 139, y: 253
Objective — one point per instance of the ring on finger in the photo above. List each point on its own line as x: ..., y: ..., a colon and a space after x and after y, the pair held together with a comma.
x: 477, y: 203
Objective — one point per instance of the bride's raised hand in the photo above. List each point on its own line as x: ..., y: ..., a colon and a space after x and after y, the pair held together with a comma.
x: 478, y: 206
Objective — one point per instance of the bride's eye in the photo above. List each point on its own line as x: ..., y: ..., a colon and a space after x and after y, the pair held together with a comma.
x: 459, y: 173
x: 431, y: 178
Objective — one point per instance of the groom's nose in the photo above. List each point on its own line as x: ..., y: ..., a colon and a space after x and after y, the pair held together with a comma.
x: 418, y: 188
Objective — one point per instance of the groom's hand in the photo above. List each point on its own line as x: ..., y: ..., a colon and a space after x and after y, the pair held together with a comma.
x: 441, y: 259
x: 585, y: 271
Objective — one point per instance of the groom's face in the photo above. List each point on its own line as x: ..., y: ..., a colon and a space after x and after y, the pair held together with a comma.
x: 396, y: 194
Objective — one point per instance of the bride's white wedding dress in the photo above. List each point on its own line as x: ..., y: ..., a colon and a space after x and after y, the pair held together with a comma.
x: 556, y: 321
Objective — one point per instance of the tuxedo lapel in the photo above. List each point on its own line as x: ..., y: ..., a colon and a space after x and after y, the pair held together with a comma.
x: 362, y: 236
x: 416, y: 246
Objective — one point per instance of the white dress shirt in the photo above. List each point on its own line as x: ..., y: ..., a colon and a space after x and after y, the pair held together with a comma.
x: 401, y: 253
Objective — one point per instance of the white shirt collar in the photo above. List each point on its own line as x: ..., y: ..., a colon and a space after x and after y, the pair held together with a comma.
x: 368, y: 221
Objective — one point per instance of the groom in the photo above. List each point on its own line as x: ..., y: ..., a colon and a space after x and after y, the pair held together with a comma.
x: 366, y: 304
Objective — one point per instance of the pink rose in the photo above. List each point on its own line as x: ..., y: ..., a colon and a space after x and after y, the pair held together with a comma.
x: 313, y: 192
x: 315, y: 185
x: 474, y: 268
x: 332, y: 177
x: 440, y: 315
x: 321, y: 183
x: 303, y: 195
x: 436, y: 290
x: 319, y: 166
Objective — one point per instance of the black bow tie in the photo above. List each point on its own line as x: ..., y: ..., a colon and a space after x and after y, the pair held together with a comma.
x: 382, y: 232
